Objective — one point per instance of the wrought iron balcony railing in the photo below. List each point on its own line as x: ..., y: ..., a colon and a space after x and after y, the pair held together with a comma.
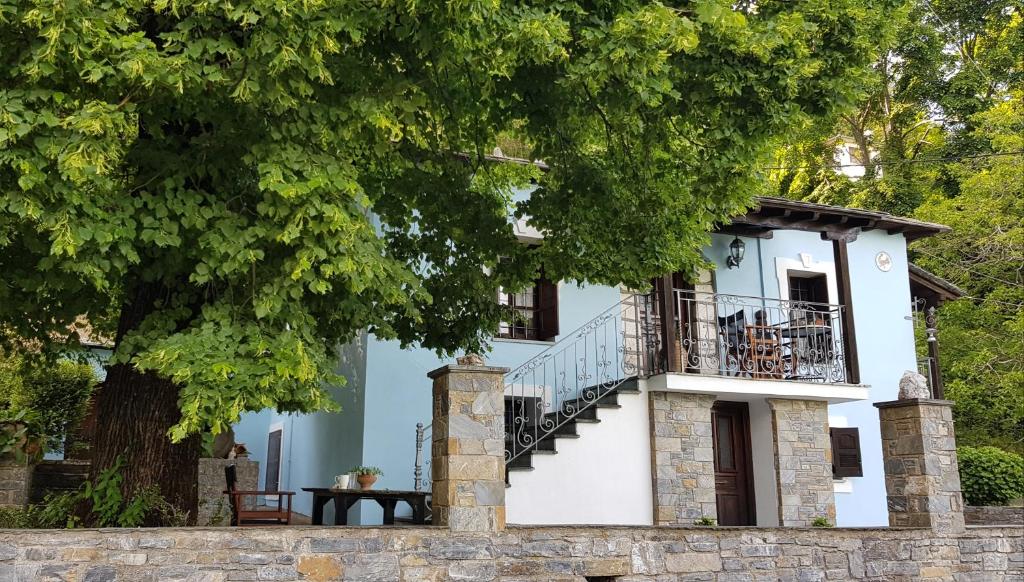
x: 759, y: 337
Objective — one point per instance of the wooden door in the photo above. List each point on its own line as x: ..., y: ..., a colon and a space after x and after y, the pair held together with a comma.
x: 734, y: 476
x: 273, y: 478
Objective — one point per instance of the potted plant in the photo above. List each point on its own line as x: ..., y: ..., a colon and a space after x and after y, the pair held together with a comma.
x: 366, y: 476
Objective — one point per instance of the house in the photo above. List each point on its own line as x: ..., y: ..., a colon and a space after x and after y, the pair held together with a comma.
x: 744, y: 395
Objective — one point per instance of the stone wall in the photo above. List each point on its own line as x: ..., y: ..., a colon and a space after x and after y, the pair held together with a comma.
x: 15, y: 483
x: 682, y: 463
x: 993, y: 515
x: 803, y: 461
x: 213, y: 504
x: 520, y: 553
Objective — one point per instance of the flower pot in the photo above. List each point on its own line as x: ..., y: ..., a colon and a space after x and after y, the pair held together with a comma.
x: 366, y: 481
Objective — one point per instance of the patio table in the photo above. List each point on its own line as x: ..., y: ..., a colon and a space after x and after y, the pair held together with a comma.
x: 386, y: 498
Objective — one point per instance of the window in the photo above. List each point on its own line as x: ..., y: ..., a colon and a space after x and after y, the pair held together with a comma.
x: 808, y: 287
x: 532, y: 312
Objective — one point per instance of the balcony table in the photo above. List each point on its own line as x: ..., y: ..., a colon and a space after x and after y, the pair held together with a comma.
x: 386, y: 498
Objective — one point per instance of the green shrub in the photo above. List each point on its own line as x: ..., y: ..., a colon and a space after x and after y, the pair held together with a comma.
x: 705, y: 522
x: 990, y: 476
x: 51, y: 398
x: 821, y: 521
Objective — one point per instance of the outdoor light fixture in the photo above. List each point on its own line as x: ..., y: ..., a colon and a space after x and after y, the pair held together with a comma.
x: 736, y: 250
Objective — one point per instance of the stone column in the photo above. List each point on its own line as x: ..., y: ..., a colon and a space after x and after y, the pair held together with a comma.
x: 468, y: 446
x: 682, y: 458
x: 922, y: 479
x: 803, y: 461
x: 15, y: 483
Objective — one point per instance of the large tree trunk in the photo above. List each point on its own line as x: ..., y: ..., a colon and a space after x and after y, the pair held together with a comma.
x: 133, y: 414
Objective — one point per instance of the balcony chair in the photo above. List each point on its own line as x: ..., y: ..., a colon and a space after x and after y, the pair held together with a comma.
x: 764, y: 351
x: 248, y: 514
x: 735, y: 346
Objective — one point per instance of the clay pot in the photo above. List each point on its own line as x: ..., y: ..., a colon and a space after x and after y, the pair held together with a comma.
x: 366, y: 481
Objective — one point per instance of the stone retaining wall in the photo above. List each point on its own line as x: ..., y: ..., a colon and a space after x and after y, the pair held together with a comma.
x: 15, y: 483
x: 993, y: 515
x: 575, y: 554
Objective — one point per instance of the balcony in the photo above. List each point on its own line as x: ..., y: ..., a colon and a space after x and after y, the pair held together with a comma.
x: 759, y: 337
x: 774, y: 347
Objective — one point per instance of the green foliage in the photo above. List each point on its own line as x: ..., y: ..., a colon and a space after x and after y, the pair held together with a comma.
x: 50, y: 397
x: 262, y: 181
x: 366, y: 470
x: 103, y: 505
x: 45, y: 516
x: 990, y: 476
x: 705, y: 522
x: 821, y: 521
x: 949, y: 87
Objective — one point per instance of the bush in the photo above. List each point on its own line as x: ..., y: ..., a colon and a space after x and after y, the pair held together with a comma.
x: 990, y: 476
x: 52, y: 399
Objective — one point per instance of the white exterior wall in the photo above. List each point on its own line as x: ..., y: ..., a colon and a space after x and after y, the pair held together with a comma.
x: 601, y: 478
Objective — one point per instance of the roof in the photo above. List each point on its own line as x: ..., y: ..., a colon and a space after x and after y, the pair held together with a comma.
x: 932, y: 287
x: 833, y: 222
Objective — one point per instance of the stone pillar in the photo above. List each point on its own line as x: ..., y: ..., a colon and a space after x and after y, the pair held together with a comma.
x: 15, y: 483
x: 214, y: 507
x: 468, y: 446
x: 682, y: 458
x: 922, y: 479
x: 803, y: 461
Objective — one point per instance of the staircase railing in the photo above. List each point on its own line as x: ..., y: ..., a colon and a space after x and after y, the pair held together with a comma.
x: 566, y: 380
x: 421, y: 466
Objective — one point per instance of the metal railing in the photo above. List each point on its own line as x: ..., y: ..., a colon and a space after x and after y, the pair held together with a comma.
x: 759, y: 337
x: 569, y: 378
x: 422, y: 465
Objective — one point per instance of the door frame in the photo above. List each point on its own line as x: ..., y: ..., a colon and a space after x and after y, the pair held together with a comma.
x: 743, y: 408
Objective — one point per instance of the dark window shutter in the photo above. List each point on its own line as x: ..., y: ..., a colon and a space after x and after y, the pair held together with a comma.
x: 547, y: 309
x: 846, y: 459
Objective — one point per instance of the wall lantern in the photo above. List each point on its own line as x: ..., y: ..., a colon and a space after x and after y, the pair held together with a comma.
x: 736, y: 250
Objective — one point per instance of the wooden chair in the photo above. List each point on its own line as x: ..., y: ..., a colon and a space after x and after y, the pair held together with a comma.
x: 243, y: 514
x: 764, y: 351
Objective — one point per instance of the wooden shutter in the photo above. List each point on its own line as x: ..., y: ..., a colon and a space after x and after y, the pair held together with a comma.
x: 547, y: 309
x: 846, y: 459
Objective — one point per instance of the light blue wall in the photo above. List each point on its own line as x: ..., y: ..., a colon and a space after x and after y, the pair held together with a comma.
x: 885, y: 346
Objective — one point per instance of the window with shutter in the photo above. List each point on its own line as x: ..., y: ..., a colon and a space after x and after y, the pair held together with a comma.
x: 532, y: 312
x: 846, y: 457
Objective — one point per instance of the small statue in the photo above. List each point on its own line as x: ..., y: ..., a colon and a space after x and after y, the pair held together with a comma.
x: 914, y: 385
x: 471, y: 360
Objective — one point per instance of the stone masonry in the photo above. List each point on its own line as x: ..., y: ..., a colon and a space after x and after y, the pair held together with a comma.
x: 922, y: 479
x: 15, y: 483
x: 682, y: 461
x: 803, y: 461
x: 468, y: 448
x: 522, y: 554
x: 213, y: 504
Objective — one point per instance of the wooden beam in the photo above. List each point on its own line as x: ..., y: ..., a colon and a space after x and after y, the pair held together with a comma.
x: 667, y: 311
x: 747, y: 231
x: 841, y: 254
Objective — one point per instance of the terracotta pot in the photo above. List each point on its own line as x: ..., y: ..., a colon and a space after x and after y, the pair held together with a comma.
x: 366, y: 481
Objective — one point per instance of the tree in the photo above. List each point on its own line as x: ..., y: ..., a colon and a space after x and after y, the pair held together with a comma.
x: 233, y: 189
x: 982, y: 337
x: 939, y: 131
